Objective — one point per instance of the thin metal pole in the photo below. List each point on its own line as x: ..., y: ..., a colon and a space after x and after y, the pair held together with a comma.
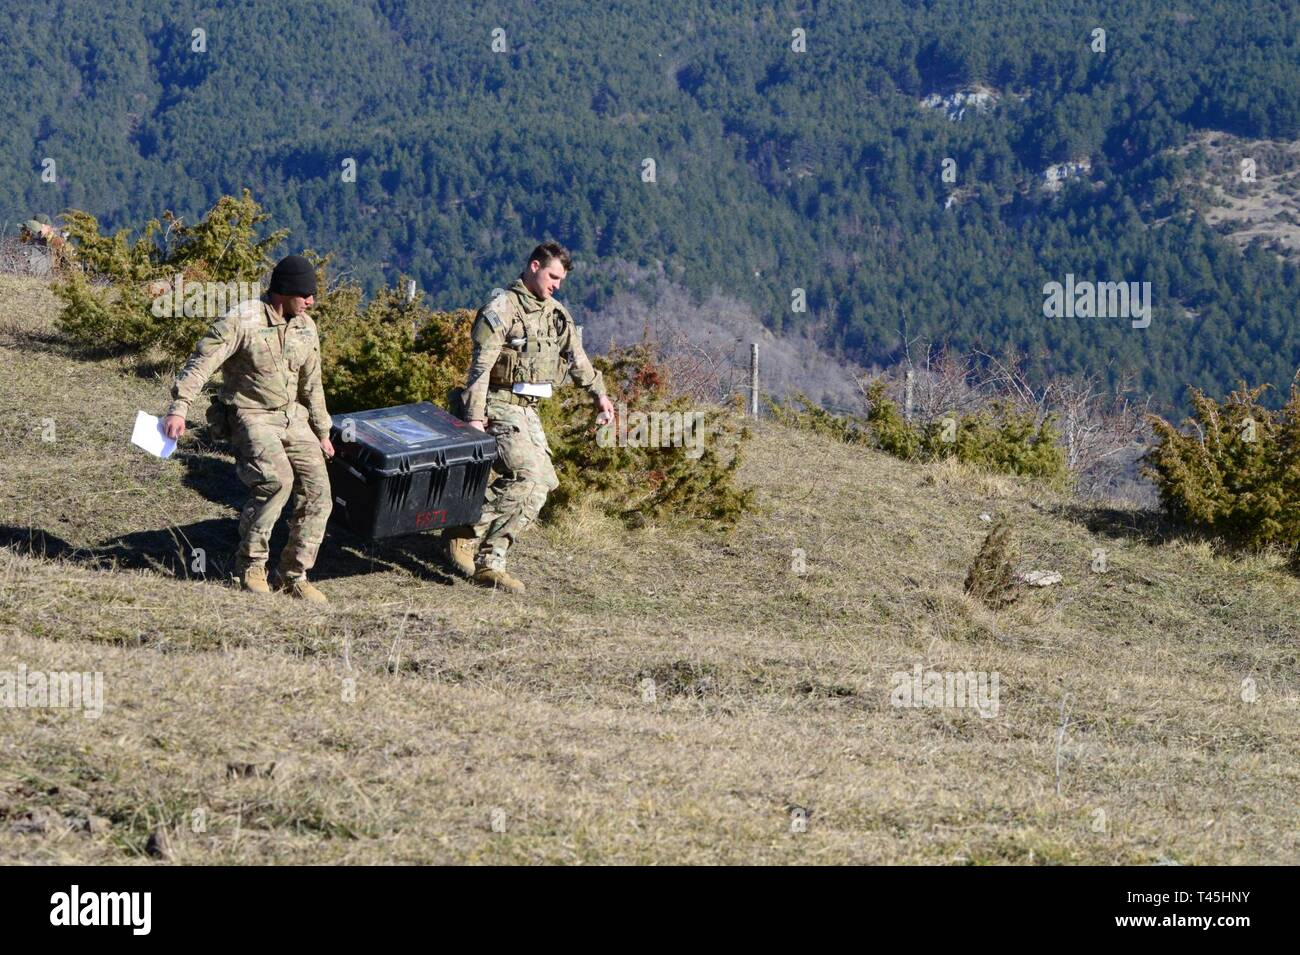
x: 753, y: 380
x: 410, y: 297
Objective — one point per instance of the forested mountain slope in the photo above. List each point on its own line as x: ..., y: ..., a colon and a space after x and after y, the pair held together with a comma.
x: 792, y: 149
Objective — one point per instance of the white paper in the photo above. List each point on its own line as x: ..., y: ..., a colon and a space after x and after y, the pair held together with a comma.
x: 148, y: 434
x: 533, y: 391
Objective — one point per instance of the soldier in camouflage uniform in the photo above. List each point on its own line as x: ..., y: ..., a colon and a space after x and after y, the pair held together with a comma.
x: 525, y: 343
x: 272, y: 400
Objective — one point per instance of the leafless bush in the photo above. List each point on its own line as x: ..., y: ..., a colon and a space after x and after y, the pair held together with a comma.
x: 944, y: 382
x: 20, y: 258
x: 33, y: 259
x: 1104, y: 432
x: 700, y: 371
x: 710, y: 338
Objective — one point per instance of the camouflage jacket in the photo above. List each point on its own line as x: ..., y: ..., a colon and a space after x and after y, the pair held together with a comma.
x: 521, y: 338
x: 266, y: 361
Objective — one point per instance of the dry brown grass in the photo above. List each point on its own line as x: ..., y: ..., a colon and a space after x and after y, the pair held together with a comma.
x: 772, y: 688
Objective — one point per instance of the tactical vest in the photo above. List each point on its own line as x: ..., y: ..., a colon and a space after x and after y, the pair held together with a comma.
x: 536, y: 357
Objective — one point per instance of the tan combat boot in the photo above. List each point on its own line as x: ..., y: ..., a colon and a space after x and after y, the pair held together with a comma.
x: 254, y: 580
x: 300, y: 588
x: 460, y: 545
x: 487, y: 577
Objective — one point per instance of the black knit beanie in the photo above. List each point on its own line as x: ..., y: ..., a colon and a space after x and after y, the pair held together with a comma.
x: 293, y: 275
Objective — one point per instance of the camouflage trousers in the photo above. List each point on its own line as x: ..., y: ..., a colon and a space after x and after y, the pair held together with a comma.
x: 280, y: 455
x: 522, y: 477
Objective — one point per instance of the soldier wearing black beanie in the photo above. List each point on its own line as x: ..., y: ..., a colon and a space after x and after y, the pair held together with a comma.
x: 293, y: 276
x: 272, y: 407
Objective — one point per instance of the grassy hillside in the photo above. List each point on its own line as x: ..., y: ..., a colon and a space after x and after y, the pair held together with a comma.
x: 1119, y: 691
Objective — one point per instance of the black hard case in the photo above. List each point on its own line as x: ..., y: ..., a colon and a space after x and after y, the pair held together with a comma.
x: 408, y: 469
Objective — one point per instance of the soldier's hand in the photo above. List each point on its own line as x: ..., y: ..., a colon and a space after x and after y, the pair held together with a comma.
x: 174, y: 426
x: 477, y: 425
x: 327, y: 446
x: 606, y: 411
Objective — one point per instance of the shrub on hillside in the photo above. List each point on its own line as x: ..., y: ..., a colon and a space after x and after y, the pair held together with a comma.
x: 800, y: 411
x: 109, y: 295
x: 390, y: 351
x: 893, y: 433
x: 1003, y: 439
x: 1234, y: 471
x: 991, y: 578
x: 694, y: 480
x: 988, y: 410
x: 997, y: 437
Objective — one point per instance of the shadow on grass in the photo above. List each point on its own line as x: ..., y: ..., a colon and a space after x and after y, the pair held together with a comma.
x: 44, y: 340
x: 51, y: 339
x: 344, y: 555
x: 210, y: 470
x: 1148, y: 525
x: 173, y: 551
x: 169, y: 551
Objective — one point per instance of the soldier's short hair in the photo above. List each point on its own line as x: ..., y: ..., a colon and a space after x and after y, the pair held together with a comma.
x: 547, y: 251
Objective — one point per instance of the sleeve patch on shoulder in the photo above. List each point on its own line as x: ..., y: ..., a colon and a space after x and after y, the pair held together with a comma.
x: 494, y: 320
